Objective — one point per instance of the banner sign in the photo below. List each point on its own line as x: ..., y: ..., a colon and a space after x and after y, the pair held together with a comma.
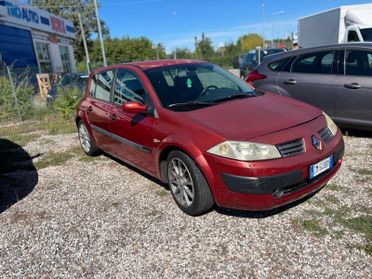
x: 31, y: 17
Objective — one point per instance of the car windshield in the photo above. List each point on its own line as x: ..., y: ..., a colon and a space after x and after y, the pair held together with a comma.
x: 367, y: 34
x: 195, y: 86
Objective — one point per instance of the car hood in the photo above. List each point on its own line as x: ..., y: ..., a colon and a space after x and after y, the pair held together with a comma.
x: 244, y: 119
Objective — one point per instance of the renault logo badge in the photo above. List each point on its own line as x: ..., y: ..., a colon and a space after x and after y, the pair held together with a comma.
x: 316, y: 143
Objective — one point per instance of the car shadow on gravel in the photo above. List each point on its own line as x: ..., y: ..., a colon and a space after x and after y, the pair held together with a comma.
x: 18, y: 175
x: 140, y: 172
x: 262, y: 214
x: 356, y: 133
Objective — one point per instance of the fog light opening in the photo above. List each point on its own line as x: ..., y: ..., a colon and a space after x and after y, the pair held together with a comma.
x: 278, y: 192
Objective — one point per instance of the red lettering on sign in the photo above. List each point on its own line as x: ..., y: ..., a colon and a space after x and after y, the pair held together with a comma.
x: 58, y: 25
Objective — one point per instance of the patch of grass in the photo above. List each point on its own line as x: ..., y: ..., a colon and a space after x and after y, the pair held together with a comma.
x: 333, y: 199
x: 337, y: 188
x: 362, y: 225
x: 53, y: 159
x: 52, y: 125
x: 314, y: 227
x: 365, y: 172
x: 162, y: 193
x: 23, y: 139
x: 317, y: 202
x: 369, y: 191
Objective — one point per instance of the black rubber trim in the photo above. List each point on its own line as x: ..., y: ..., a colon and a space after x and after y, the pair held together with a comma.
x: 121, y: 139
x: 262, y: 185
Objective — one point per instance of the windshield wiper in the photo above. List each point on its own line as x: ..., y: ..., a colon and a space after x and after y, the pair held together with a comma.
x: 190, y: 103
x: 234, y: 96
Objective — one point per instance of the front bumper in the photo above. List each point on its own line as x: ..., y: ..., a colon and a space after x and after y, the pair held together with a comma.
x: 277, y: 185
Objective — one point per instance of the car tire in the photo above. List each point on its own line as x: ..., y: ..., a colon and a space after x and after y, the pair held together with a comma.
x: 188, y: 185
x: 86, y: 141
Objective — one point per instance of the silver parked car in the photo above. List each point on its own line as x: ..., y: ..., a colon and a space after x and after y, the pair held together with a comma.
x: 336, y: 78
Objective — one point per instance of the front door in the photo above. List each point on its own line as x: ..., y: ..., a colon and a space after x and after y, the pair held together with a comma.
x: 133, y: 133
x: 99, y: 106
x: 354, y: 100
x: 311, y: 80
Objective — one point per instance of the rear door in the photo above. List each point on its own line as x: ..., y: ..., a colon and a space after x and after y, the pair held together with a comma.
x: 354, y: 100
x: 133, y: 133
x: 99, y: 106
x: 312, y: 79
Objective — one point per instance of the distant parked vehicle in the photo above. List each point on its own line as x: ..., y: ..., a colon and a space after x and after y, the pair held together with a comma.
x: 336, y: 78
x: 77, y: 80
x: 253, y: 58
x: 340, y: 25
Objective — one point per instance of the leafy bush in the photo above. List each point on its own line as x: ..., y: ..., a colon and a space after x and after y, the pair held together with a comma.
x: 67, y: 101
x: 24, y: 91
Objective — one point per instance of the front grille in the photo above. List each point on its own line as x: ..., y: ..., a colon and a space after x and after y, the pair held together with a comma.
x: 326, y: 134
x: 291, y: 148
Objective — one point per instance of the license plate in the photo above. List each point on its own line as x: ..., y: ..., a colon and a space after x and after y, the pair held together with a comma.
x: 321, y: 167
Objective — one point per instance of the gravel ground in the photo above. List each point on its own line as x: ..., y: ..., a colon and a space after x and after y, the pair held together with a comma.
x: 101, y: 219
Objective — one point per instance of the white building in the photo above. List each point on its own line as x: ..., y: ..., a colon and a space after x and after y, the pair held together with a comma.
x: 35, y: 39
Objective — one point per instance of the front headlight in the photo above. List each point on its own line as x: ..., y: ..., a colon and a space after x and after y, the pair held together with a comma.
x: 330, y: 124
x: 245, y: 151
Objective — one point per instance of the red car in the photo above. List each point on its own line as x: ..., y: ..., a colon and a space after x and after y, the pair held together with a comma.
x: 208, y: 135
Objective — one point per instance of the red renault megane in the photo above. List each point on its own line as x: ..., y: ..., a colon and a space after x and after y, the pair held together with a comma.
x: 208, y: 135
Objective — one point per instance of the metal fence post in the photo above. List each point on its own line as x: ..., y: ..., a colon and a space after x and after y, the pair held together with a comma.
x: 14, y: 94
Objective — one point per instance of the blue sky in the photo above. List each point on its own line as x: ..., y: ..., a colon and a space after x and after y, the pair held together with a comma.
x: 175, y: 22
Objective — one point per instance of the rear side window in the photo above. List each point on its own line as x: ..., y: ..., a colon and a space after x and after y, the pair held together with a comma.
x: 102, y: 83
x: 316, y: 63
x: 358, y: 63
x: 279, y: 65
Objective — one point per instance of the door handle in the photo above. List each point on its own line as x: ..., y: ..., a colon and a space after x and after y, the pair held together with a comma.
x: 90, y: 109
x: 113, y: 116
x: 353, y: 85
x: 290, y: 82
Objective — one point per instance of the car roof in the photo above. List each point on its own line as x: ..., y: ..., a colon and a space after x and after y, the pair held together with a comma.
x: 275, y: 56
x: 152, y: 64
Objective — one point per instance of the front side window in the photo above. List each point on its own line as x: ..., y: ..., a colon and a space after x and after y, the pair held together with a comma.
x: 128, y: 88
x: 42, y: 50
x: 358, y: 63
x: 316, y: 63
x: 352, y: 36
x: 193, y: 86
x: 102, y: 83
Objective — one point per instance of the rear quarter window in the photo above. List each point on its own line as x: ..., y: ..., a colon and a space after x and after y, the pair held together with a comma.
x: 280, y: 65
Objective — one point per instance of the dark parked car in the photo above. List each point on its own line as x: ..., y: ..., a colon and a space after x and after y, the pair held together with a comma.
x: 208, y: 135
x: 67, y: 81
x: 252, y: 59
x: 336, y: 78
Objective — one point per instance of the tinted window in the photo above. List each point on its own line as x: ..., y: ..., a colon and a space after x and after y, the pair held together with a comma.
x: 352, y: 36
x: 103, y: 83
x: 319, y: 63
x: 279, y: 65
x: 128, y: 88
x: 358, y: 62
x: 366, y: 34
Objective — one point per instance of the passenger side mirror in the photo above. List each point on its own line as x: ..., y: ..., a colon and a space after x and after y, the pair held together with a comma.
x: 134, y: 107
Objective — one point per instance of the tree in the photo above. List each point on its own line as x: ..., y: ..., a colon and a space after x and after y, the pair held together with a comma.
x: 127, y: 49
x: 249, y: 41
x: 203, y: 48
x: 182, y: 53
x: 69, y: 9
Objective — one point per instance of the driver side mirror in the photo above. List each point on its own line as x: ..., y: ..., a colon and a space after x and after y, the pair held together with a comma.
x: 134, y: 107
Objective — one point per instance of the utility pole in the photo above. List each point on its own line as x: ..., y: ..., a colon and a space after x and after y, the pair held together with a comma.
x: 263, y: 25
x: 100, y: 34
x: 85, y: 43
